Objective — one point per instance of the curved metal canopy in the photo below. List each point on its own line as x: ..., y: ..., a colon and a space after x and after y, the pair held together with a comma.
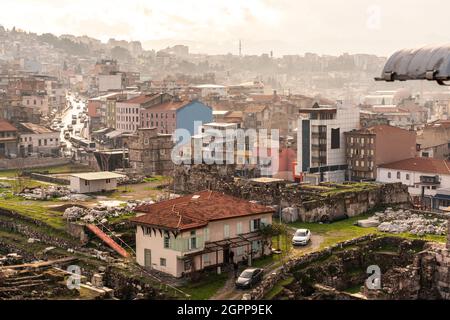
x: 427, y: 63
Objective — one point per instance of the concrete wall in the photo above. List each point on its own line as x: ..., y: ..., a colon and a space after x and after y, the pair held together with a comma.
x: 78, y: 185
x: 30, y: 163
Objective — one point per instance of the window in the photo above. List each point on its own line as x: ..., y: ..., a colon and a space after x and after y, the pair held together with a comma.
x: 389, y: 175
x: 147, y: 231
x: 108, y: 180
x: 206, y: 234
x: 240, y: 251
x: 255, y: 225
x: 166, y: 241
x: 162, y: 262
x: 239, y: 228
x: 193, y: 241
x: 398, y: 175
x: 335, y: 138
x: 206, y: 259
x: 425, y: 154
x: 226, y: 231
x: 407, y: 176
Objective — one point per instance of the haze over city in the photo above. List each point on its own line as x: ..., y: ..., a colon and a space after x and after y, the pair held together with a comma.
x: 272, y: 151
x: 215, y: 27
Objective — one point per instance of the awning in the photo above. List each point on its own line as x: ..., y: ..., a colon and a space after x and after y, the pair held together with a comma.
x: 113, y: 134
x: 427, y: 63
x: 442, y: 197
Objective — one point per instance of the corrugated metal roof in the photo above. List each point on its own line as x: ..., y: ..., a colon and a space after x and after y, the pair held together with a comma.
x: 426, y: 63
x: 97, y: 175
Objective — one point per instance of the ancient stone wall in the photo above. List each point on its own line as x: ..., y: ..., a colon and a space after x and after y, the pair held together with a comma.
x: 297, y: 202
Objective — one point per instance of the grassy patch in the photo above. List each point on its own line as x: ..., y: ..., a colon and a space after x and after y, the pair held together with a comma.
x: 337, y: 231
x: 36, y: 210
x: 122, y: 218
x: 354, y: 289
x: 346, y: 230
x: 155, y: 179
x: 67, y: 168
x: 206, y: 287
x: 278, y: 288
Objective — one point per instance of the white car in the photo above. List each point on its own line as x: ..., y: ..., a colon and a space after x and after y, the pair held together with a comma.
x: 301, y: 237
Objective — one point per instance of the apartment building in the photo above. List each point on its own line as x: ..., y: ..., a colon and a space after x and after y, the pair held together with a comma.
x: 428, y: 180
x: 175, y: 114
x: 199, y: 231
x: 38, y: 139
x: 129, y: 112
x: 321, y: 142
x: 368, y: 148
x: 8, y: 139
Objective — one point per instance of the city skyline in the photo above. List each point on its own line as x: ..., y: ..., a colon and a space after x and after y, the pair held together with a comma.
x: 262, y: 25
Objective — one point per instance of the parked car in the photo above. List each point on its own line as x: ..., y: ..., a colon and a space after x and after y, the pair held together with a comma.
x: 301, y: 237
x: 249, y: 277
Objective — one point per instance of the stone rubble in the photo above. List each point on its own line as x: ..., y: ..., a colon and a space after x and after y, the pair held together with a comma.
x: 405, y: 221
x: 100, y: 212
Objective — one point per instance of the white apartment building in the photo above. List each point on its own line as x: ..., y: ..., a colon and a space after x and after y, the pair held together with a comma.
x: 38, y: 139
x: 321, y: 141
x: 428, y: 179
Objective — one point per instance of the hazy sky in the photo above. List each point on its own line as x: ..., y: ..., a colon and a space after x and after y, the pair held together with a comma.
x: 215, y: 26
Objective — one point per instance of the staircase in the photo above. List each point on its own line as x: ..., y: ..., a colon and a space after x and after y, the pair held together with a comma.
x: 108, y: 240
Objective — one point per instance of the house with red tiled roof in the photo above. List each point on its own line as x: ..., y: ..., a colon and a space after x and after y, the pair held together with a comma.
x: 426, y: 178
x: 200, y: 231
x: 9, y: 139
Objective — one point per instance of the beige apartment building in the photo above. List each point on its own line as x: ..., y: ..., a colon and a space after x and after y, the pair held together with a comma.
x: 200, y: 231
x: 368, y: 148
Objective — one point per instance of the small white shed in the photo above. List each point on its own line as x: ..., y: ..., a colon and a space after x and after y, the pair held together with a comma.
x: 94, y: 181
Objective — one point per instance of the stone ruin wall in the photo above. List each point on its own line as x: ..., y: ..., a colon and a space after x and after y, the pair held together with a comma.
x: 295, y: 200
x: 409, y: 274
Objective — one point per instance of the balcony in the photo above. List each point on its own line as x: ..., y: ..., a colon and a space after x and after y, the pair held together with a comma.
x: 184, y: 245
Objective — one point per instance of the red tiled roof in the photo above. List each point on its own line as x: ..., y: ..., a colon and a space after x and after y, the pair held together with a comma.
x: 6, y: 126
x: 255, y: 109
x: 167, y: 106
x: 141, y: 99
x: 194, y: 211
x: 426, y: 165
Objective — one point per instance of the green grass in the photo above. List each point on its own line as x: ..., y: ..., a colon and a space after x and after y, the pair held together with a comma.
x: 354, y: 289
x: 346, y: 230
x: 278, y: 288
x: 68, y: 168
x: 155, y: 179
x: 122, y: 218
x: 206, y: 287
x: 36, y: 210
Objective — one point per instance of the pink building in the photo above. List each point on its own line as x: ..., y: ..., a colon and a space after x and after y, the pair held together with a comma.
x: 129, y: 112
x: 162, y: 116
x: 200, y: 231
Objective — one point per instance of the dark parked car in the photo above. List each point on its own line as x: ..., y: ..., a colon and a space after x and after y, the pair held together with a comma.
x: 249, y: 278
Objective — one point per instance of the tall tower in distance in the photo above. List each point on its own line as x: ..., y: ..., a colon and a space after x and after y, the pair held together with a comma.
x: 240, y: 48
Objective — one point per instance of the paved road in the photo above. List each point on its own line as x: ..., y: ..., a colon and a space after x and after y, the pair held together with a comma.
x: 229, y: 292
x: 66, y: 119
